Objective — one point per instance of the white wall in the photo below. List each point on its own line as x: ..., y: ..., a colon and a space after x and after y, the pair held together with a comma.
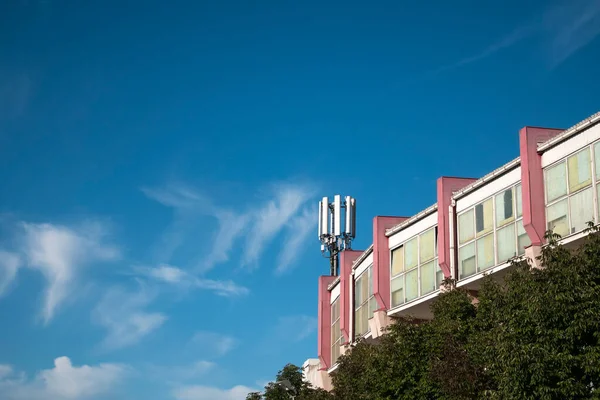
x: 571, y: 145
x: 485, y: 191
x: 366, y: 263
x: 414, y: 229
x: 335, y: 293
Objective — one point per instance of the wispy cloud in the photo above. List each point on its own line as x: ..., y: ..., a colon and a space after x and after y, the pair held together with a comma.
x: 171, y: 275
x: 285, y: 332
x: 217, y: 343
x: 272, y: 217
x: 564, y: 28
x: 295, y: 327
x: 9, y: 264
x: 123, y: 314
x: 256, y: 225
x: 59, y: 252
x: 199, y: 392
x: 63, y: 382
x: 299, y: 229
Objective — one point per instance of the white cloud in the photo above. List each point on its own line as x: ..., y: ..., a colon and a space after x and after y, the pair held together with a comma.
x: 220, y: 344
x: 211, y: 393
x: 296, y: 327
x: 563, y: 29
x: 9, y: 264
x: 5, y: 371
x: 123, y: 314
x: 256, y: 226
x: 298, y: 231
x: 58, y: 252
x: 176, y: 276
x: 231, y: 226
x: 272, y: 217
x: 64, y: 382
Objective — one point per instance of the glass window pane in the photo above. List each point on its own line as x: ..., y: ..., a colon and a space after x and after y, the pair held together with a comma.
x: 427, y: 278
x: 522, y: 238
x: 358, y: 322
x: 364, y: 287
x: 412, y: 284
x: 519, y: 200
x: 364, y: 311
x: 370, y: 281
x: 597, y: 159
x: 555, y: 182
x: 397, y: 291
x: 556, y: 215
x: 358, y: 299
x: 579, y: 170
x: 439, y: 276
x: 372, y: 306
x: 466, y: 261
x: 504, y: 207
x: 465, y: 227
x: 435, y: 244
x: 582, y: 209
x: 397, y: 260
x: 427, y: 246
x: 506, y: 243
x: 410, y: 253
x: 485, y: 252
x: 335, y: 311
x: 483, y: 217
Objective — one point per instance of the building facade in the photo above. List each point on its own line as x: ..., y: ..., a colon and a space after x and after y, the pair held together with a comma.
x: 476, y: 227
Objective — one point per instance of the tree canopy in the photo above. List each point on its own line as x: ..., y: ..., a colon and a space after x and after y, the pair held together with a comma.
x: 533, y: 335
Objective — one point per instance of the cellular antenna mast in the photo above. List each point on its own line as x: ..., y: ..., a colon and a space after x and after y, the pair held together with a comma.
x: 333, y: 239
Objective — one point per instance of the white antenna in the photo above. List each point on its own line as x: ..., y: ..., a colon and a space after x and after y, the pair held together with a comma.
x: 332, y: 238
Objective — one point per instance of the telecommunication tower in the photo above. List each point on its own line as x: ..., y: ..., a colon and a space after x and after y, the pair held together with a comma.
x: 333, y: 239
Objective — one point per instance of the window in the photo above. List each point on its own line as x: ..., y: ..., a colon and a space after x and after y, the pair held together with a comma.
x: 336, y: 332
x: 415, y: 271
x: 569, y: 192
x: 364, y: 301
x: 491, y: 232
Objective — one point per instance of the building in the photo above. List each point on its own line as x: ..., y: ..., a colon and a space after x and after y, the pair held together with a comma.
x: 476, y: 226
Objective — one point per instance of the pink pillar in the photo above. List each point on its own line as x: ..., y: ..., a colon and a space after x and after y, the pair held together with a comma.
x: 532, y: 181
x: 324, y: 321
x: 346, y: 306
x: 381, y: 259
x: 445, y: 186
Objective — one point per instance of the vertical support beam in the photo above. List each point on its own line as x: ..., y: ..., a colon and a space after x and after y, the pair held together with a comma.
x: 532, y: 181
x: 347, y: 257
x: 445, y: 186
x: 324, y: 321
x: 381, y: 259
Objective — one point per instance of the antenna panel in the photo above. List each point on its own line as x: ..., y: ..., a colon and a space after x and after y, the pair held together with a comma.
x: 324, y: 216
x: 320, y: 217
x: 337, y: 215
x: 350, y: 217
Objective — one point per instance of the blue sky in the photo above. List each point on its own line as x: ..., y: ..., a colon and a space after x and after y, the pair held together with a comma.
x: 160, y: 164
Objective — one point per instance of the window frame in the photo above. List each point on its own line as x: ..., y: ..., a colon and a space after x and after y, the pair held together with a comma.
x: 402, y: 275
x: 335, y: 345
x: 368, y: 273
x: 569, y: 195
x: 513, y: 221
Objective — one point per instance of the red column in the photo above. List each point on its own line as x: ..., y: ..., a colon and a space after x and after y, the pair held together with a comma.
x: 532, y: 181
x: 324, y: 321
x: 381, y: 259
x: 445, y: 186
x: 346, y: 306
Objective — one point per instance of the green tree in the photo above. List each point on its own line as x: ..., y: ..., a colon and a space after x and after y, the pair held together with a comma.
x: 535, y: 334
x: 289, y: 384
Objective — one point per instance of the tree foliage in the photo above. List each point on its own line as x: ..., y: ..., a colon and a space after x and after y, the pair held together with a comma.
x: 533, y: 335
x: 289, y: 384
